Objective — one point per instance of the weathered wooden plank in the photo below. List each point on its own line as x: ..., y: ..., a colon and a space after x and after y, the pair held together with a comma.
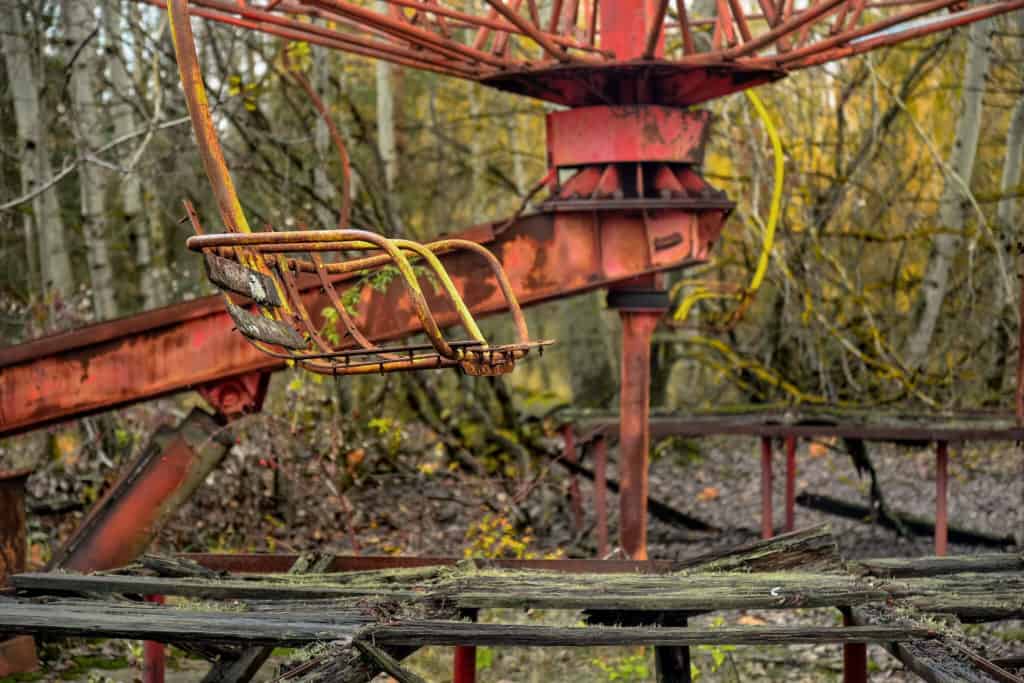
x: 247, y: 663
x: 897, y: 567
x: 387, y: 663
x: 972, y: 596
x: 235, y: 277
x: 265, y: 330
x: 98, y: 618
x: 448, y: 633
x: 487, y: 589
x: 806, y: 550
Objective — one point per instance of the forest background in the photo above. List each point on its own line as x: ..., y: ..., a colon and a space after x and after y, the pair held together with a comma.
x: 892, y: 281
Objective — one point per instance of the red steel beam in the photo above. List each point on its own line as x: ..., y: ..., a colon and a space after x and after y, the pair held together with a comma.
x: 121, y: 525
x: 186, y: 346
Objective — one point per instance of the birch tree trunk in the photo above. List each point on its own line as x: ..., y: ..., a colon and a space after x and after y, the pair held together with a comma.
x: 48, y: 259
x: 477, y: 163
x: 326, y: 217
x: 158, y: 275
x: 518, y: 168
x: 386, y: 144
x: 1010, y: 181
x: 81, y: 26
x: 953, y: 207
x: 133, y: 221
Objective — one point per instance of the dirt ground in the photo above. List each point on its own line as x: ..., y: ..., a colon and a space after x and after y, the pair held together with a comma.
x: 428, y: 509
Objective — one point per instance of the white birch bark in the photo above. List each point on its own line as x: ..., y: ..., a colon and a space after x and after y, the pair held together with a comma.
x: 953, y: 205
x: 477, y: 163
x: 1006, y: 210
x: 44, y: 228
x: 325, y: 216
x: 81, y: 25
x: 134, y: 223
x: 518, y: 168
x: 386, y: 144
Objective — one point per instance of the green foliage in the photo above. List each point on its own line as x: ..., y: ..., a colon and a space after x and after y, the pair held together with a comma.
x: 718, y: 654
x: 484, y: 658
x: 379, y: 280
x: 633, y: 667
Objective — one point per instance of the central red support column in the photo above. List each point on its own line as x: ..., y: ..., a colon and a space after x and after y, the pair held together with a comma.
x: 640, y: 310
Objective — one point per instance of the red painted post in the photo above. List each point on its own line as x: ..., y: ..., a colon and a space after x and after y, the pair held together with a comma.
x: 17, y: 653
x: 601, y: 494
x: 790, y: 483
x: 941, y: 490
x: 575, y: 497
x: 634, y: 428
x: 767, y: 528
x: 855, y: 656
x: 153, y: 654
x: 465, y: 664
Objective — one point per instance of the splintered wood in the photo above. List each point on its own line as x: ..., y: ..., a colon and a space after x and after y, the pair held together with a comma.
x: 355, y: 624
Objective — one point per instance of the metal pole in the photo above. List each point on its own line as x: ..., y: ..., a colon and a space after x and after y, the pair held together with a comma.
x: 601, y: 494
x: 153, y: 653
x: 790, y: 483
x: 465, y: 664
x: 634, y: 429
x: 855, y: 656
x: 17, y: 654
x: 941, y: 489
x: 767, y: 530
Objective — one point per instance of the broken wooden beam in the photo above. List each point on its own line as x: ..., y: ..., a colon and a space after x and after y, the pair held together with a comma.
x: 244, y: 666
x: 897, y: 567
x: 149, y: 621
x: 97, y: 618
x: 935, y: 660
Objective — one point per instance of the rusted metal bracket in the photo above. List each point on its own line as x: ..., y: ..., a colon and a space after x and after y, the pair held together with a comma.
x: 122, y: 523
x: 237, y: 396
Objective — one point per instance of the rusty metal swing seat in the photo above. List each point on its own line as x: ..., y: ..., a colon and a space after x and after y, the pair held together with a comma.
x: 271, y: 268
